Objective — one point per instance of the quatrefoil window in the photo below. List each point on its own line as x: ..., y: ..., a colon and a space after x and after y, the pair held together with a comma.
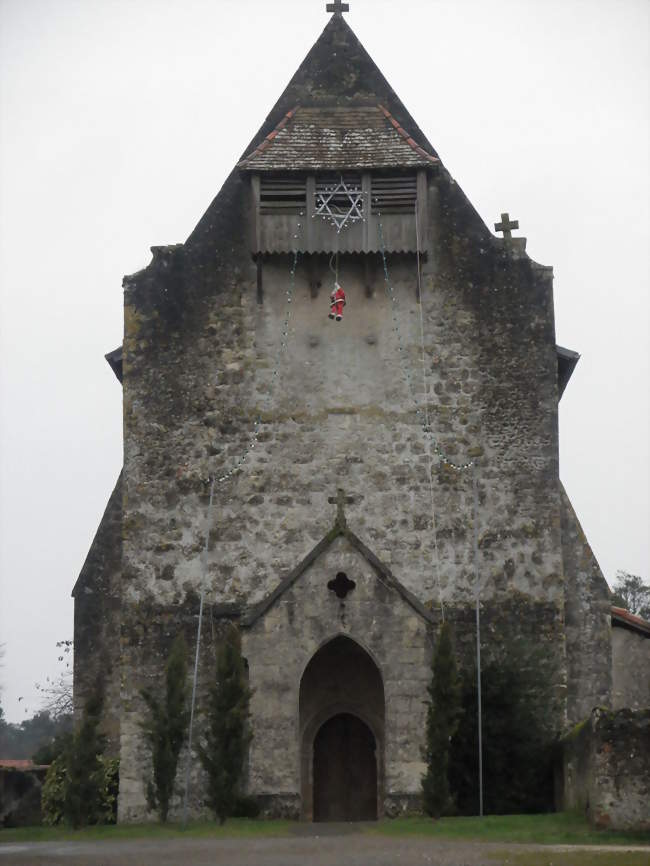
x: 341, y: 585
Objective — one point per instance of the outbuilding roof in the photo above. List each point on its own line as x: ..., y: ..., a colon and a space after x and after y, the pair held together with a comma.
x: 21, y: 764
x: 624, y: 619
x: 335, y: 138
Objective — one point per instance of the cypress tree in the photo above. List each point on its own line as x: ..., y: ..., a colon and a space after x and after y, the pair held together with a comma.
x: 227, y: 737
x: 84, y: 770
x: 442, y: 720
x: 520, y: 720
x: 166, y: 728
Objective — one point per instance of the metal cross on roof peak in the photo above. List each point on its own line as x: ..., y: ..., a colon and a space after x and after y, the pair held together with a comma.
x: 506, y: 226
x: 340, y: 500
x: 338, y: 8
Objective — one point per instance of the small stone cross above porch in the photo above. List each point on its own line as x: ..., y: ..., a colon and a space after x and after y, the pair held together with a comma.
x: 340, y: 500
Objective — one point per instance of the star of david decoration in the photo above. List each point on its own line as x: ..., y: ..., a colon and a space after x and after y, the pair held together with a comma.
x: 340, y: 203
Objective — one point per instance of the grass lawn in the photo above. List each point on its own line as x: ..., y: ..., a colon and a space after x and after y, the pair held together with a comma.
x: 558, y: 828
x: 554, y: 829
x: 553, y: 857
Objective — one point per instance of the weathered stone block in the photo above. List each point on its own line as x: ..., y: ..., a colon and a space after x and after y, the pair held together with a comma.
x: 605, y: 769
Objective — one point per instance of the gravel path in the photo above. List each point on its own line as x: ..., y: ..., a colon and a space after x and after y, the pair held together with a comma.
x: 347, y: 849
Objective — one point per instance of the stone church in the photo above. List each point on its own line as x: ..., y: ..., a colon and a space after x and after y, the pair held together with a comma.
x: 352, y: 461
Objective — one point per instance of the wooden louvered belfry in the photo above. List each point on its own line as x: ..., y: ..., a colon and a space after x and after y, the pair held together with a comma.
x: 321, y: 164
x: 286, y: 213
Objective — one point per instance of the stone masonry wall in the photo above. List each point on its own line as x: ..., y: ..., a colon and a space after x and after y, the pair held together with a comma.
x: 97, y: 612
x: 199, y: 359
x: 588, y: 633
x: 339, y: 414
x: 605, y: 769
x: 630, y: 669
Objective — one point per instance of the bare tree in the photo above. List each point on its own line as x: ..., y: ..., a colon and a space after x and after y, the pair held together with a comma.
x: 56, y: 692
x: 632, y: 593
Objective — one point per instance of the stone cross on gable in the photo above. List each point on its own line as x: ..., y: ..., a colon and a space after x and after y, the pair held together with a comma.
x: 338, y: 8
x: 506, y: 226
x: 340, y: 500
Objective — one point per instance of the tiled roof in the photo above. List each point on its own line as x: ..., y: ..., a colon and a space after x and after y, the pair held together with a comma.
x: 21, y: 764
x: 354, y: 137
x: 623, y: 617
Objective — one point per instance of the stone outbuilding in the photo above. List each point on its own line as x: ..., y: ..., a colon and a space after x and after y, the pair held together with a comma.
x: 630, y: 660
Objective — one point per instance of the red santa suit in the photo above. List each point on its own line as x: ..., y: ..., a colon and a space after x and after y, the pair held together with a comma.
x: 337, y: 298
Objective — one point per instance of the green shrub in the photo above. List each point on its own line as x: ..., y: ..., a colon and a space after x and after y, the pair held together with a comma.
x: 110, y: 784
x: 55, y: 786
x: 226, y: 741
x: 245, y: 807
x: 165, y: 728
x: 84, y: 769
x: 53, y: 794
x: 49, y: 752
x: 520, y: 727
x: 442, y: 721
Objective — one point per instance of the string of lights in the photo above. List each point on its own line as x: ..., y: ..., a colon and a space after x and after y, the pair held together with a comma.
x: 339, y: 204
x: 421, y: 414
x: 220, y: 479
x: 252, y: 441
x: 425, y: 391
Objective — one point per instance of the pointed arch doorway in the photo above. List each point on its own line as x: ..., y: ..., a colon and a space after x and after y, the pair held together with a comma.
x: 342, y: 734
x: 345, y: 770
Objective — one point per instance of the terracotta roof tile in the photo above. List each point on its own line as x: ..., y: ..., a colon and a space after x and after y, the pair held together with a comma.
x: 263, y: 145
x: 335, y: 138
x: 630, y: 619
x: 21, y: 764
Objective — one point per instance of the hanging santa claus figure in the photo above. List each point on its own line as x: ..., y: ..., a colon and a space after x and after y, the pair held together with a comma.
x: 337, y: 302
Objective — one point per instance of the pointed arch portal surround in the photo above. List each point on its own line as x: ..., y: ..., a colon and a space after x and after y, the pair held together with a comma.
x: 341, y: 708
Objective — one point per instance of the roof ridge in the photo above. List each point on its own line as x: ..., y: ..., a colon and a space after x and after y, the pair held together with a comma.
x: 267, y: 141
x: 407, y: 138
x: 354, y: 75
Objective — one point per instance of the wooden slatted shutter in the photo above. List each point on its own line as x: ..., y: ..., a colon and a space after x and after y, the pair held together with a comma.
x: 396, y: 194
x: 283, y: 195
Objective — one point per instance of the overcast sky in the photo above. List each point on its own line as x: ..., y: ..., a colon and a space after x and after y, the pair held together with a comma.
x: 119, y: 121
